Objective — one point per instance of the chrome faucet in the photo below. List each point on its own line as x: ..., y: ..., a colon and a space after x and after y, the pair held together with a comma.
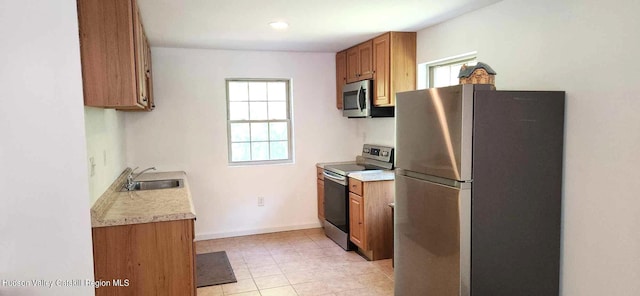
x: 130, y: 179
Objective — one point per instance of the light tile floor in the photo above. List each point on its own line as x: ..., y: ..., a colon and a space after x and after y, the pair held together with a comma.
x: 302, y: 262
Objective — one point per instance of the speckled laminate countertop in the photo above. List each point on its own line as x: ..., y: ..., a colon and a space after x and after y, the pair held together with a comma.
x: 374, y: 175
x: 144, y: 206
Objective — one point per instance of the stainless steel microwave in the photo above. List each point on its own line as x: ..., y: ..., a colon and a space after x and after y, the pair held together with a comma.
x: 357, y: 101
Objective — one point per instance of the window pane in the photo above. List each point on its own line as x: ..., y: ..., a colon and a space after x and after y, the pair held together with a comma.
x: 277, y: 91
x: 441, y: 76
x: 238, y: 111
x: 260, y: 150
x: 279, y: 150
x: 240, y: 132
x: 259, y: 132
x: 240, y: 152
x: 278, y: 131
x: 258, y: 110
x: 455, y: 70
x: 238, y: 91
x: 258, y: 91
x: 277, y: 110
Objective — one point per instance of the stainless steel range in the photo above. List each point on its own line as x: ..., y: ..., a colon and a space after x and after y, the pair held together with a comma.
x: 336, y: 190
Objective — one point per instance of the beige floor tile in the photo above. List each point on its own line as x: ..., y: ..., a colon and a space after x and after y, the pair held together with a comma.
x: 271, y: 281
x: 279, y: 291
x: 238, y: 265
x: 357, y: 268
x: 259, y: 260
x: 265, y: 270
x: 301, y: 277
x: 285, y: 258
x: 210, y: 291
x: 251, y: 293
x: 301, y: 262
x: 312, y: 289
x: 312, y: 253
x: 242, y: 273
x: 374, y: 279
x: 342, y: 284
x: 245, y: 285
x: 361, y: 292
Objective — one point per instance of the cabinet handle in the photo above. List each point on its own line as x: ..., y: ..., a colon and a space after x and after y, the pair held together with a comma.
x: 144, y: 99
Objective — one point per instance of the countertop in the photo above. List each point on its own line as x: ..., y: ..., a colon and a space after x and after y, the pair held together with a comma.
x: 136, y: 207
x: 373, y: 175
x: 322, y: 164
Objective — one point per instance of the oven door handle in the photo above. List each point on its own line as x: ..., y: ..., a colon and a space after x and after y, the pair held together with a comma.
x: 336, y: 178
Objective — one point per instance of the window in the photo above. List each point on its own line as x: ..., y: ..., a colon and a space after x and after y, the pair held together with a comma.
x: 444, y: 72
x: 259, y: 121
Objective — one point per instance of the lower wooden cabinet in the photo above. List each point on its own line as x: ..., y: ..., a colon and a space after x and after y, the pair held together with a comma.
x: 320, y: 191
x: 147, y: 259
x: 370, y: 217
x: 356, y: 221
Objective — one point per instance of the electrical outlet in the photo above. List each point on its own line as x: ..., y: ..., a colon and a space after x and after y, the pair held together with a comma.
x: 93, y: 166
x: 261, y: 201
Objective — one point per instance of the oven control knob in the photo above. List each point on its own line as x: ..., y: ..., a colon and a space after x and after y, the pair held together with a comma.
x: 385, y: 153
x: 365, y: 150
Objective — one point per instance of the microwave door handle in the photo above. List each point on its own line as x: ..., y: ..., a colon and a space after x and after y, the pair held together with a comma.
x: 362, y: 99
x: 358, y: 99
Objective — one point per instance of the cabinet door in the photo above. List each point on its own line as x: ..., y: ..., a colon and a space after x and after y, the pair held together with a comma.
x: 132, y: 252
x: 356, y: 220
x: 149, y: 80
x: 365, y: 56
x: 140, y: 53
x: 353, y: 64
x: 341, y: 76
x: 320, y: 186
x: 107, y: 55
x: 381, y: 69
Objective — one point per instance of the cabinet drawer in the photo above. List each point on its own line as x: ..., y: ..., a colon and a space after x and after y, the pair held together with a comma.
x: 355, y: 186
x: 319, y: 173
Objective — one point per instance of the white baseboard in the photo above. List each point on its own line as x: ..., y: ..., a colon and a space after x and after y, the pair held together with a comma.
x: 206, y: 236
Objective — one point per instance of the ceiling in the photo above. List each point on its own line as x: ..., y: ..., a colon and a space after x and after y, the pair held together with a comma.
x: 319, y: 26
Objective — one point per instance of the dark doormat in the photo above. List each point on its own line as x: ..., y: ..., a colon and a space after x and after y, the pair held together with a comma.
x: 213, y: 269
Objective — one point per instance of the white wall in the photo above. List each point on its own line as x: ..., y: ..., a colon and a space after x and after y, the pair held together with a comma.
x: 587, y: 48
x: 45, y: 230
x: 187, y: 131
x: 104, y: 129
x: 379, y: 131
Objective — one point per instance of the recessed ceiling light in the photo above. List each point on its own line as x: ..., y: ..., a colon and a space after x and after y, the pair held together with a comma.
x: 279, y: 25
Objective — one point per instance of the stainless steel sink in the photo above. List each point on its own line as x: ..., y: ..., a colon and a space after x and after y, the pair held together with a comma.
x: 156, y: 184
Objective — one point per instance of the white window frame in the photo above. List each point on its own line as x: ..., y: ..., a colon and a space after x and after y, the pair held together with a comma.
x: 289, y: 122
x: 425, y: 70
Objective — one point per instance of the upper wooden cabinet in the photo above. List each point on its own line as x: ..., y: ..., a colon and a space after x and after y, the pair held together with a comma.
x: 359, y: 62
x: 115, y: 54
x: 389, y: 59
x: 341, y: 76
x: 394, y: 66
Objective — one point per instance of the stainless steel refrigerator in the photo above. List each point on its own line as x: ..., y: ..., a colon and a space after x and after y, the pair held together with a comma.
x: 478, y: 191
